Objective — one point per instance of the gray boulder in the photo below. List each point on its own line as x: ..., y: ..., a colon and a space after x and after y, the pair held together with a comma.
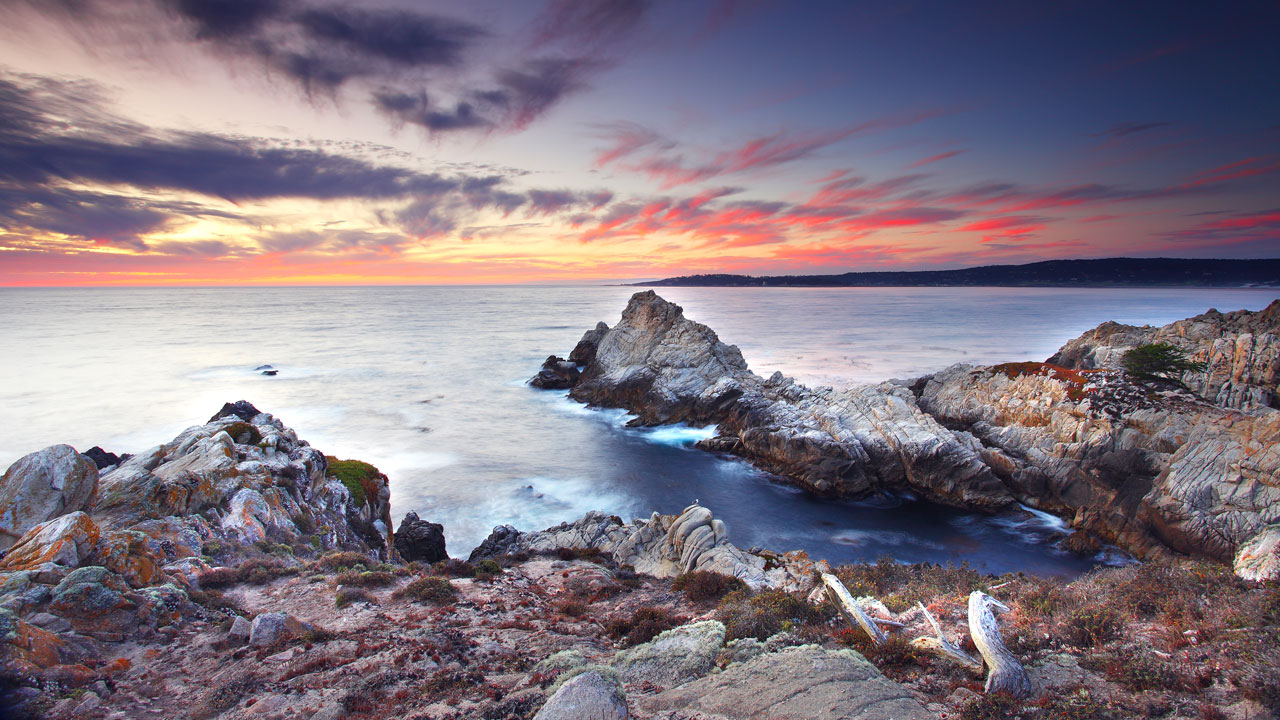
x: 799, y: 683
x: 676, y: 656
x: 41, y: 486
x: 588, y: 696
x: 240, y: 631
x: 270, y: 629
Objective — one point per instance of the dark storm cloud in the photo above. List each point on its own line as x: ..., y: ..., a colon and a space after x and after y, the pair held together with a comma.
x: 517, y: 97
x: 323, y: 48
x: 57, y: 133
x: 42, y: 143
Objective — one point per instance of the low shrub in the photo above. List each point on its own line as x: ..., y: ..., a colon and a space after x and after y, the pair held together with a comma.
x: 1090, y: 626
x: 1139, y: 671
x: 220, y: 577
x: 371, y: 578
x: 360, y: 478
x: 571, y: 608
x: 348, y: 595
x: 429, y: 590
x: 765, y: 613
x: 643, y: 625
x: 996, y: 706
x: 450, y: 682
x: 454, y: 567
x: 704, y: 585
x: 487, y: 570
x: 900, y: 587
x: 344, y: 560
x: 1076, y: 704
x: 895, y: 651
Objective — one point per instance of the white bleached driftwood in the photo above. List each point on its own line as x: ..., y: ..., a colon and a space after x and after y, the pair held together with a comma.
x: 1006, y: 673
x: 940, y: 645
x: 840, y: 594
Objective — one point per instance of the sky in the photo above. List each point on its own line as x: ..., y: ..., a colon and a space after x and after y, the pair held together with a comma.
x: 227, y: 142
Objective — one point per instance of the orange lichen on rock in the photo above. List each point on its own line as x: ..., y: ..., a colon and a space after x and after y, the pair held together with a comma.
x: 1074, y: 379
x: 65, y: 540
x: 128, y: 553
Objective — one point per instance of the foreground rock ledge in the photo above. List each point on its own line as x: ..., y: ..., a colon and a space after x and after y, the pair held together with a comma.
x: 1159, y: 472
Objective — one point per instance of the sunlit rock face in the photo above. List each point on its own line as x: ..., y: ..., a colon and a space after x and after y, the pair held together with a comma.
x: 1157, y: 471
x: 1241, y: 351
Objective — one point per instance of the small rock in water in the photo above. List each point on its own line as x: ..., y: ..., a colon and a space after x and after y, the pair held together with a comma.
x: 270, y: 372
x: 420, y: 540
x: 264, y: 367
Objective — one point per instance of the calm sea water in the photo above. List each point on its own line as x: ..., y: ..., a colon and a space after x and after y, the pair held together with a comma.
x: 428, y: 383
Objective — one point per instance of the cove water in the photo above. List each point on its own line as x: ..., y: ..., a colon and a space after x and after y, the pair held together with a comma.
x: 428, y: 383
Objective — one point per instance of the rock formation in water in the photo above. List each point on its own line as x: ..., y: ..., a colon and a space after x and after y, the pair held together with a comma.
x: 663, y: 546
x: 1154, y: 471
x: 420, y: 541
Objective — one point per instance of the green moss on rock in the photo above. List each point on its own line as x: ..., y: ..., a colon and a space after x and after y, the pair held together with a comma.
x: 360, y: 478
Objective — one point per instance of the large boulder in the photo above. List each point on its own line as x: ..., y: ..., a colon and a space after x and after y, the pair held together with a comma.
x: 799, y: 683
x: 420, y: 541
x: 43, y: 485
x: 585, y: 351
x: 674, y: 657
x: 586, y: 696
x: 271, y: 629
x: 68, y: 541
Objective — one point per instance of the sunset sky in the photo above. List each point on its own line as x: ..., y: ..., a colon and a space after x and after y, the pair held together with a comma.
x: 567, y: 141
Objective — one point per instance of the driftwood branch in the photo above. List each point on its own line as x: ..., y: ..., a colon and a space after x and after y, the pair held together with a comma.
x: 888, y: 623
x: 840, y: 595
x: 940, y: 645
x: 1006, y: 673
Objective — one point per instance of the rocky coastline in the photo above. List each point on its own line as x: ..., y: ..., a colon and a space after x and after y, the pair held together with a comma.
x: 237, y: 572
x: 1164, y: 471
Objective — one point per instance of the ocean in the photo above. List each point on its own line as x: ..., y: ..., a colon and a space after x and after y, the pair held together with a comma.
x: 428, y: 383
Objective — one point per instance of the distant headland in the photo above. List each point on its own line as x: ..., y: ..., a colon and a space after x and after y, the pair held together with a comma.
x: 1105, y: 272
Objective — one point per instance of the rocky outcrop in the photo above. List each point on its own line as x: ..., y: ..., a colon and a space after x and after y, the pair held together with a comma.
x: 666, y: 368
x: 1156, y: 471
x: 1158, y: 474
x: 1241, y: 351
x: 585, y: 351
x: 42, y: 486
x: 243, y: 480
x: 662, y: 546
x: 123, y: 562
x: 420, y: 541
